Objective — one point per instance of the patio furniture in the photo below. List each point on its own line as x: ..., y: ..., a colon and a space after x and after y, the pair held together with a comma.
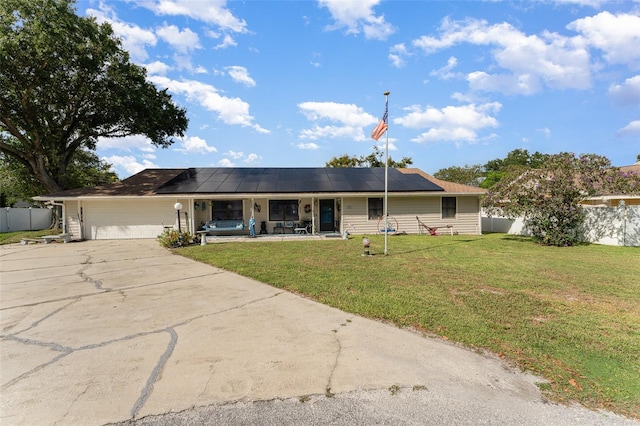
x: 432, y: 229
x: 278, y: 229
x: 217, y: 226
x: 288, y: 225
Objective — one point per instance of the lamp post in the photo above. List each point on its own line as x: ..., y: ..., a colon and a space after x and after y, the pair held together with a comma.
x: 178, y: 207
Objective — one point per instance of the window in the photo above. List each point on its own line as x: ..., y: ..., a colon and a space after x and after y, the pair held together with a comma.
x: 448, y: 207
x: 283, y: 210
x: 375, y: 208
x: 226, y: 209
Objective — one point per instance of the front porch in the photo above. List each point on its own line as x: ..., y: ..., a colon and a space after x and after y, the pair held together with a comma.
x: 219, y: 239
x: 273, y: 216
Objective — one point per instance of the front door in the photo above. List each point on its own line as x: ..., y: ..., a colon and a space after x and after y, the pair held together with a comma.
x: 327, y: 216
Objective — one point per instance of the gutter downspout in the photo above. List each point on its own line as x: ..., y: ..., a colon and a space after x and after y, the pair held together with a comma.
x: 62, y: 213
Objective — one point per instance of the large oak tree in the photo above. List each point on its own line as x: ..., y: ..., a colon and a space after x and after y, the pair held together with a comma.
x: 65, y: 81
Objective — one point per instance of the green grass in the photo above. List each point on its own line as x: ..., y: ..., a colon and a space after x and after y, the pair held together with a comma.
x: 15, y: 237
x: 571, y: 315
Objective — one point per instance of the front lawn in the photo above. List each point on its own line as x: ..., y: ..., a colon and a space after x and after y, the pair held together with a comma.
x: 15, y: 237
x: 570, y: 314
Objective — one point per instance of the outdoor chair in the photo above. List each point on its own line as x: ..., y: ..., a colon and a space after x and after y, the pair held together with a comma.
x: 432, y: 229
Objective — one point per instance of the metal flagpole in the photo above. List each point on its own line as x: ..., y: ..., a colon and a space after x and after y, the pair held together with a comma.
x: 386, y: 180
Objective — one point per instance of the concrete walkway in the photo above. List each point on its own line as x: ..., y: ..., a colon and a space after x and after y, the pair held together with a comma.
x: 122, y: 331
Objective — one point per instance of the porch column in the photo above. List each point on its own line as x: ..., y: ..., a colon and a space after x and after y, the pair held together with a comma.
x: 191, y: 223
x: 313, y: 215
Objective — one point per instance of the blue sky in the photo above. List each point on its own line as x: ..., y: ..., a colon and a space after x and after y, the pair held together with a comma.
x: 295, y: 83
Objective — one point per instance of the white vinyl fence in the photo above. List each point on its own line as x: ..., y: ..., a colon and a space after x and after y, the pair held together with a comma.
x: 24, y: 219
x: 613, y: 226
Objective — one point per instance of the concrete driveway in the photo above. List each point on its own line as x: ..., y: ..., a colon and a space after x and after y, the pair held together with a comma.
x: 123, y: 331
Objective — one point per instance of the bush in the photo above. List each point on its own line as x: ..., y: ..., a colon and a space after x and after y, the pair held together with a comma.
x: 175, y: 238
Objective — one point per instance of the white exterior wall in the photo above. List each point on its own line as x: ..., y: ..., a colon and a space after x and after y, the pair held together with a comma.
x: 614, y: 226
x: 73, y: 219
x: 123, y: 219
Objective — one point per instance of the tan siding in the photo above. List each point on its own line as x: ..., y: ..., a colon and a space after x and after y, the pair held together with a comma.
x: 468, y: 215
x: 404, y: 210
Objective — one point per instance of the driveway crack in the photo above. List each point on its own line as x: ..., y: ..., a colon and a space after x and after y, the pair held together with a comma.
x: 96, y: 283
x: 146, y: 392
x: 328, y: 392
x: 73, y: 403
x: 46, y: 317
x: 66, y: 350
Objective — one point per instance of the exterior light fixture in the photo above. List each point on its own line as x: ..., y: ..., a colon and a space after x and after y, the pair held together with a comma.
x: 178, y: 207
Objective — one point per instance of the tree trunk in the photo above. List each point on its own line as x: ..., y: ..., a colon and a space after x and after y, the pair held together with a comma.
x: 41, y: 174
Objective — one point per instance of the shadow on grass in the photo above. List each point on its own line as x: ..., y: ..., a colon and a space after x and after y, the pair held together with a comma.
x: 531, y: 240
x: 449, y: 243
x: 518, y: 238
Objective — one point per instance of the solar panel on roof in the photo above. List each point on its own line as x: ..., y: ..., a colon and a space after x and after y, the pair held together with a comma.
x: 293, y: 180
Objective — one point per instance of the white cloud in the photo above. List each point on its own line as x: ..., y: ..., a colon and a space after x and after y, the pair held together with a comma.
x: 129, y: 163
x: 200, y: 70
x: 211, y: 12
x: 451, y: 123
x: 350, y: 118
x: 182, y: 41
x: 545, y: 131
x: 445, y: 72
x: 617, y: 36
x: 463, y: 97
x: 397, y: 55
x: 627, y: 93
x: 227, y: 41
x: 357, y: 16
x: 232, y: 111
x: 252, y: 159
x: 195, y: 145
x: 631, y: 129
x: 234, y: 154
x: 240, y: 75
x: 531, y: 61
x: 308, y: 145
x: 349, y: 114
x: 509, y: 84
x: 383, y: 145
x: 591, y: 3
x: 157, y: 67
x: 315, y: 61
x: 134, y: 39
x: 127, y: 143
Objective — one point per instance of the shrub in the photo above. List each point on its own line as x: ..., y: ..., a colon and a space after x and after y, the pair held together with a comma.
x: 175, y: 238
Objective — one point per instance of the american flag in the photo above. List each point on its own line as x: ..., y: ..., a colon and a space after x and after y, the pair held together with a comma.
x: 382, y: 125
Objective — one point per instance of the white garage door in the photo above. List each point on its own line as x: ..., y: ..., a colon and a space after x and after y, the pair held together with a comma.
x: 111, y: 220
